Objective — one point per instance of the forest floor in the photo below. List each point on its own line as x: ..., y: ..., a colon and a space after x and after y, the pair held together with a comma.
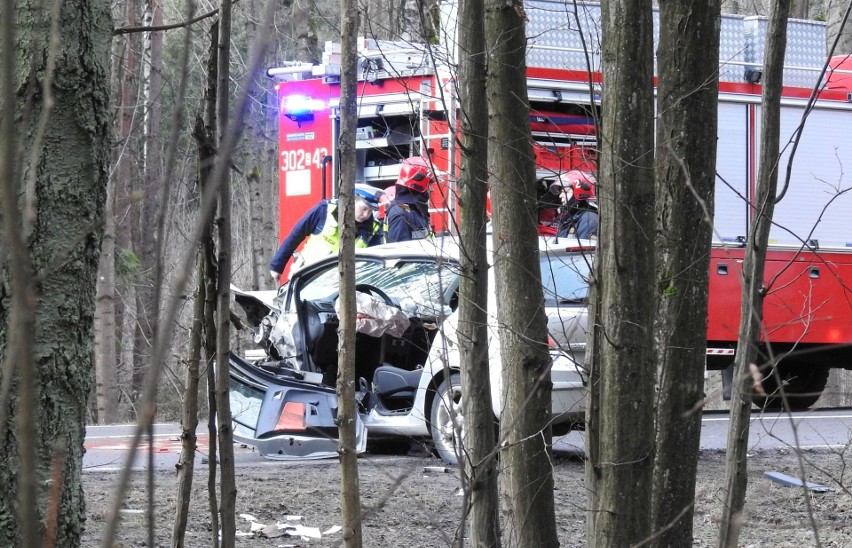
x: 410, y: 501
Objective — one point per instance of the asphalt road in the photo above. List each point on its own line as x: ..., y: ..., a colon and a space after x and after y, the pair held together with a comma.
x: 107, y: 446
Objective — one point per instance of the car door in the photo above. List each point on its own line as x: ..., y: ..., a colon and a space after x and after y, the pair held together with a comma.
x: 565, y: 281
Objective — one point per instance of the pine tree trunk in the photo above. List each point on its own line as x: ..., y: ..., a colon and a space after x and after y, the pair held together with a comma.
x: 685, y: 166
x: 106, y: 349
x: 620, y: 424
x: 69, y: 174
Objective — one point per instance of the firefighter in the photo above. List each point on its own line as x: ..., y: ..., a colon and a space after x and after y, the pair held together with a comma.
x: 580, y: 215
x: 408, y: 214
x: 549, y: 196
x: 320, y: 226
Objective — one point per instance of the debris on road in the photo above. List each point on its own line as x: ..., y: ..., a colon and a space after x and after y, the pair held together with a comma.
x: 790, y: 481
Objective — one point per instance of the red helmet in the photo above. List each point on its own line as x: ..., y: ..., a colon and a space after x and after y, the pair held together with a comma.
x: 416, y: 174
x: 582, y: 184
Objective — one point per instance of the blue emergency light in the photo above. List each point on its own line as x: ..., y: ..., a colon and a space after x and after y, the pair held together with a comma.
x: 300, y: 108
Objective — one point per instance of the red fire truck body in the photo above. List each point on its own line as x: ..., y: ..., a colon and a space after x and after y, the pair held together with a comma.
x: 407, y: 105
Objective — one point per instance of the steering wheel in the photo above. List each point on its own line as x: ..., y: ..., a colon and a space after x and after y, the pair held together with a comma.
x: 373, y: 290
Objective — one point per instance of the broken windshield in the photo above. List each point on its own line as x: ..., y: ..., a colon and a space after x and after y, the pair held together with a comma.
x: 422, y: 284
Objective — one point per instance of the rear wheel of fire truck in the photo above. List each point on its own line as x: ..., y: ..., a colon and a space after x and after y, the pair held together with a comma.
x: 446, y: 420
x: 802, y: 383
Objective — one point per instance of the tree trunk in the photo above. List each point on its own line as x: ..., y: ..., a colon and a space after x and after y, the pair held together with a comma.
x: 350, y: 500
x: 837, y: 26
x: 799, y: 9
x: 67, y: 148
x: 106, y: 350
x: 208, y: 254
x: 524, y: 428
x: 753, y: 291
x: 685, y: 168
x: 479, y: 466
x: 147, y: 308
x: 127, y: 176
x: 305, y: 30
x: 189, y: 418
x: 620, y: 427
x: 228, y: 486
x: 201, y: 341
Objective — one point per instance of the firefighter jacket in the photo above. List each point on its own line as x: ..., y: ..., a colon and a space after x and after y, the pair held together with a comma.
x: 319, y: 225
x: 408, y: 216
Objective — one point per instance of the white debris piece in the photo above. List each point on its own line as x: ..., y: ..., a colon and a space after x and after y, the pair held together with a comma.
x: 332, y: 530
x: 300, y: 531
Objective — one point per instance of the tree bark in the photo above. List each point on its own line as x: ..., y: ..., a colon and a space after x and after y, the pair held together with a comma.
x: 347, y: 414
x: 753, y: 291
x: 837, y: 25
x: 620, y: 433
x: 106, y: 350
x: 65, y: 49
x: 305, y: 30
x: 208, y: 254
x: 203, y: 307
x: 478, y: 448
x: 525, y: 431
x: 228, y: 485
x: 189, y: 417
x: 146, y: 243
x: 685, y: 169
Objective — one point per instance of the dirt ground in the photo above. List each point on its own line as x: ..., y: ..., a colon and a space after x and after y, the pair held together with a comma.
x: 410, y: 503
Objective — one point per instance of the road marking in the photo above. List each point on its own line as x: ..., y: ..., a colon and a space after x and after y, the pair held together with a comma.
x: 776, y: 417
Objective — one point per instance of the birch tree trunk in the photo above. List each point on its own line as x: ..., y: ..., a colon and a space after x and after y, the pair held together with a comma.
x: 620, y: 418
x: 685, y: 168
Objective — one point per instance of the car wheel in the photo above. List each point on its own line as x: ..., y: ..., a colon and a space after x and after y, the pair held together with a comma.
x: 446, y: 421
x: 803, y: 384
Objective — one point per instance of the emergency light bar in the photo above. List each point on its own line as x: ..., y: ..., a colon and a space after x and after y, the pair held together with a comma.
x: 300, y: 108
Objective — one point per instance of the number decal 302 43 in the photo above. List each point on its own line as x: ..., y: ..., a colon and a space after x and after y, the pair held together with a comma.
x: 302, y: 158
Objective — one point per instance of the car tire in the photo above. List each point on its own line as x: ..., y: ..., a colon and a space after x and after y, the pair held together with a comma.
x: 446, y: 423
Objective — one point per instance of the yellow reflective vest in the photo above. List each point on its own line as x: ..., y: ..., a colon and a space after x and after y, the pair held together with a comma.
x: 327, y: 242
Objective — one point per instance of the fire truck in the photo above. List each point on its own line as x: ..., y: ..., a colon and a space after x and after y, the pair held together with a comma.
x: 407, y: 105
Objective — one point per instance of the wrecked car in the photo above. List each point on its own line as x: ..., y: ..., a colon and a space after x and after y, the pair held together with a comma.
x: 406, y: 357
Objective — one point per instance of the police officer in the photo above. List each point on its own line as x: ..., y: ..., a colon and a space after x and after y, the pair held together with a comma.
x: 408, y: 213
x: 320, y: 226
